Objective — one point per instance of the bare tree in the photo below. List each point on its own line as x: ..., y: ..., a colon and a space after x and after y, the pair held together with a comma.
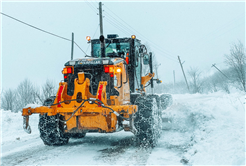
x: 48, y: 89
x: 25, y: 94
x: 9, y: 100
x: 37, y: 95
x: 220, y: 81
x: 195, y: 80
x: 236, y: 61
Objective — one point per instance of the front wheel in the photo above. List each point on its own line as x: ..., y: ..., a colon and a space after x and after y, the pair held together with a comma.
x: 146, y: 121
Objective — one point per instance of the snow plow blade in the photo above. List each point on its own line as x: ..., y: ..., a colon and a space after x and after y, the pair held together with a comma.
x: 26, y: 125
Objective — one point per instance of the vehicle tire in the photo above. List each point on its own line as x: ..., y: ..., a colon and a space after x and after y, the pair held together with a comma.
x: 146, y: 121
x: 133, y: 97
x: 49, y: 101
x: 51, y: 128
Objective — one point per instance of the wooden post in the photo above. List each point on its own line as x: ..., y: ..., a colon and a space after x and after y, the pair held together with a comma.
x: 184, y: 74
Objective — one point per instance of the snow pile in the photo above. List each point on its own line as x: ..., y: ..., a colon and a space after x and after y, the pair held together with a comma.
x: 12, y: 127
x: 198, y: 129
x: 210, y: 128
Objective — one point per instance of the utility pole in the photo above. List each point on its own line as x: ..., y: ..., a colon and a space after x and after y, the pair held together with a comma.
x: 181, y: 64
x: 102, y: 39
x: 213, y: 65
x: 100, y: 18
x: 72, y: 46
x: 151, y: 71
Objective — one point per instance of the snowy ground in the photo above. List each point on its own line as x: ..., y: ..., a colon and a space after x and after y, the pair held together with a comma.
x: 197, y: 130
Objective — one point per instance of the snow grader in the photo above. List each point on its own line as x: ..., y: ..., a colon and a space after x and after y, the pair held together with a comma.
x: 105, y: 93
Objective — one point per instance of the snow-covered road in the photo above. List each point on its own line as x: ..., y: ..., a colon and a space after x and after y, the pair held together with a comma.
x: 197, y: 129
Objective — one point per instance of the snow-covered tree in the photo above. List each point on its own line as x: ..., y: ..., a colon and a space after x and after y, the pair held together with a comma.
x: 8, y: 101
x: 25, y: 94
x: 236, y: 61
x: 195, y: 80
x: 49, y: 89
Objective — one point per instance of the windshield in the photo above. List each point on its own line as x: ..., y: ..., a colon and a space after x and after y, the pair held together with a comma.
x: 117, y: 49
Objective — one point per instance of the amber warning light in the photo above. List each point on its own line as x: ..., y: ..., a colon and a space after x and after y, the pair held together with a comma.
x: 133, y: 37
x: 88, y: 38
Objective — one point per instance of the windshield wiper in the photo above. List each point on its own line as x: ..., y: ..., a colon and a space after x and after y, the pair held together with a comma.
x: 109, y: 43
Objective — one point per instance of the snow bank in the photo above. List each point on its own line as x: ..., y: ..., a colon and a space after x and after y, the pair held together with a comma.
x: 215, y: 124
x: 198, y: 129
x: 12, y: 127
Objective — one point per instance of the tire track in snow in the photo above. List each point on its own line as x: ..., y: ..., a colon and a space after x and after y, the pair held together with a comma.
x: 124, y: 152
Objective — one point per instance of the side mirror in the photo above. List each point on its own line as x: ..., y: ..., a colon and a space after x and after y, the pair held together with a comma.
x: 158, y: 81
x: 146, y: 59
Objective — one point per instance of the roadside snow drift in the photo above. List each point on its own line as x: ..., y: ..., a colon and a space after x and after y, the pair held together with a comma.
x: 207, y: 129
x: 198, y: 129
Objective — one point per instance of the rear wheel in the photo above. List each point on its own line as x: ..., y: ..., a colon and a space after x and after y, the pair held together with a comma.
x: 51, y: 128
x: 49, y: 101
x: 147, y: 121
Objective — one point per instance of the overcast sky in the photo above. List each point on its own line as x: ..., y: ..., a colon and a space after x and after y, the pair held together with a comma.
x: 199, y: 32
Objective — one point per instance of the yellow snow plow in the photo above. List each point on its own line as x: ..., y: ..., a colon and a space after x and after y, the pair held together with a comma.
x: 102, y: 93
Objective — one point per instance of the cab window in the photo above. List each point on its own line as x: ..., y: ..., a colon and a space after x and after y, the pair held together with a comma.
x: 112, y: 49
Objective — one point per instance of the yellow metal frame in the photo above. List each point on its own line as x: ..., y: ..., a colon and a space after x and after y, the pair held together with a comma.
x: 90, y: 116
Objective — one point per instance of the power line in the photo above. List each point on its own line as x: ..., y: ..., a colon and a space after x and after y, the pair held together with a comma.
x: 91, y: 6
x: 43, y: 31
x: 153, y: 45
x: 125, y: 23
x: 118, y: 22
x: 126, y: 30
x: 120, y: 27
x: 134, y: 30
